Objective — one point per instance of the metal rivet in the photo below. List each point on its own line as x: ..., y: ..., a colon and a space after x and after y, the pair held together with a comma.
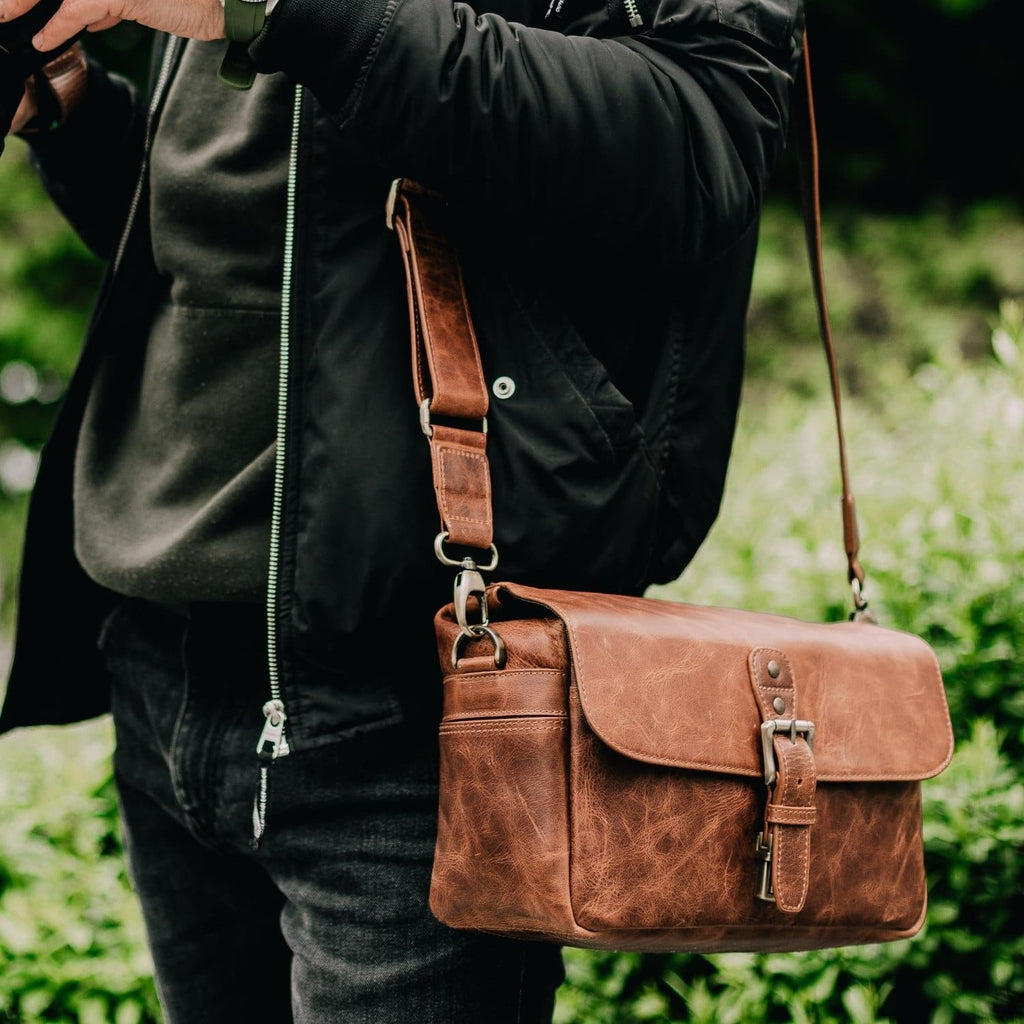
x: 504, y: 387
x: 774, y: 669
x: 779, y: 704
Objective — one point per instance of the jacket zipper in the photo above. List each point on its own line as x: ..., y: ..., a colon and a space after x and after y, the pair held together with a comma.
x: 633, y: 13
x: 158, y: 94
x: 273, y: 742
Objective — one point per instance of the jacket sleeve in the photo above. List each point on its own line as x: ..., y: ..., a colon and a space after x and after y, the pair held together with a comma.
x: 90, y: 166
x: 670, y: 132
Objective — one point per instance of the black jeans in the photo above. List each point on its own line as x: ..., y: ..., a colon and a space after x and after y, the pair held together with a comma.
x: 327, y: 921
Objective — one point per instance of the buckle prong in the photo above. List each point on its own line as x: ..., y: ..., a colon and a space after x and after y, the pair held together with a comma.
x: 795, y: 727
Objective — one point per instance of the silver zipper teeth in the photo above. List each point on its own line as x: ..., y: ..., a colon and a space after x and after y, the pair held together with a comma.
x: 273, y: 734
x: 158, y: 94
x: 633, y: 13
x: 273, y: 574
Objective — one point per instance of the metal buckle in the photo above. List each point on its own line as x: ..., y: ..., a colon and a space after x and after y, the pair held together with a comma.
x: 462, y: 563
x: 427, y: 427
x: 476, y: 633
x: 795, y: 727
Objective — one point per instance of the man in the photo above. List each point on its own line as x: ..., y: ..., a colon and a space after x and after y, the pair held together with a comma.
x: 228, y: 442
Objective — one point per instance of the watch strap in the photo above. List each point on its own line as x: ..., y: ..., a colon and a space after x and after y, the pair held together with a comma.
x: 243, y: 22
x: 244, y: 19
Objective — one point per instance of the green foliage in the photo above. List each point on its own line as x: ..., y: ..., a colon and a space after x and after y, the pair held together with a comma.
x: 47, y: 280
x: 46, y: 276
x: 71, y: 941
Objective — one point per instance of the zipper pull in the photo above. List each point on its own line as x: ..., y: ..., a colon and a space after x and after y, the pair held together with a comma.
x: 273, y: 733
x: 272, y: 745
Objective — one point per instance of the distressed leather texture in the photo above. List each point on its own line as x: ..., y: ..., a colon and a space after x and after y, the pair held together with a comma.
x: 605, y: 788
x: 448, y: 377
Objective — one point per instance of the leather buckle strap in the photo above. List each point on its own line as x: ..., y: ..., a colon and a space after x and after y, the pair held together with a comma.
x: 784, y: 846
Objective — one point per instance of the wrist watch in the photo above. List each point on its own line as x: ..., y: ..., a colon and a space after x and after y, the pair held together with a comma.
x: 243, y: 22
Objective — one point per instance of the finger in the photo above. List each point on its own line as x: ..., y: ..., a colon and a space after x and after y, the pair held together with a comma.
x: 11, y: 9
x: 197, y: 19
x: 73, y: 17
x: 102, y: 26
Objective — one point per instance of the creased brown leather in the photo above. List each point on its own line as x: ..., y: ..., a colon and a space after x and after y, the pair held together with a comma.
x: 548, y: 831
x: 443, y: 327
x: 655, y: 707
x: 791, y: 837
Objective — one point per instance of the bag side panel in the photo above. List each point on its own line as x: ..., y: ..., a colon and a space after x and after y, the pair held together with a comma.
x: 501, y: 859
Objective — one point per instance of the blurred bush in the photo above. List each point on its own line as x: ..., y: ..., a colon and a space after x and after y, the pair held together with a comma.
x: 71, y: 940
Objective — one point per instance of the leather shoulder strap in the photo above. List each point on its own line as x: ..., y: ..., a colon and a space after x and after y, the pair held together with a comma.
x: 806, y: 140
x: 448, y: 375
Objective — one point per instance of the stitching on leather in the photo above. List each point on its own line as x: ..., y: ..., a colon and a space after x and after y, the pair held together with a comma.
x: 416, y: 302
x: 765, y: 689
x: 443, y: 456
x: 504, y: 674
x: 503, y: 713
x: 799, y: 875
x: 804, y: 840
x: 781, y: 815
x: 458, y: 727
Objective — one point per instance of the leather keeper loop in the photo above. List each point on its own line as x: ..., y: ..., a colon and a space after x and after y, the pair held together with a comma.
x: 779, y: 814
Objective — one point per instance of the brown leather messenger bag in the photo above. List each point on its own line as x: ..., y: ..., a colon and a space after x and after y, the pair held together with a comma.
x: 626, y: 773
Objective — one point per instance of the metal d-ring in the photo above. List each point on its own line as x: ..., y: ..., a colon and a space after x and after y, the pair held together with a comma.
x: 442, y: 538
x: 477, y: 633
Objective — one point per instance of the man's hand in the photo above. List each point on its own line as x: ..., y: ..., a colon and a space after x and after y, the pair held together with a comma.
x: 195, y: 19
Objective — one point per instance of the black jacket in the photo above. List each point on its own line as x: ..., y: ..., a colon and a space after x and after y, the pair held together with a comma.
x: 605, y: 181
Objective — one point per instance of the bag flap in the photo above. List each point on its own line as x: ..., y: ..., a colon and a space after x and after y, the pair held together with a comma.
x: 669, y: 684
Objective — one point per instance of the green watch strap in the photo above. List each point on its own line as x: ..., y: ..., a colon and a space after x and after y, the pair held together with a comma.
x: 243, y: 22
x: 244, y: 19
